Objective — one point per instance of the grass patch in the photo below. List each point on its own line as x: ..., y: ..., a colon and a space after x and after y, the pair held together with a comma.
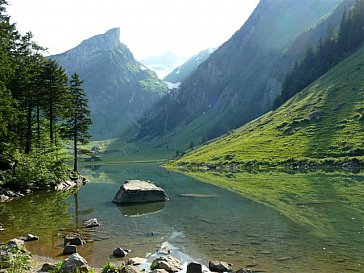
x: 322, y: 121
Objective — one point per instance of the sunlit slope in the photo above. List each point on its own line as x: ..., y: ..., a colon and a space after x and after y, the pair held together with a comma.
x: 325, y: 120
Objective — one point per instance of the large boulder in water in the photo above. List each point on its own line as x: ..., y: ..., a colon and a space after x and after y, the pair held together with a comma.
x: 138, y: 191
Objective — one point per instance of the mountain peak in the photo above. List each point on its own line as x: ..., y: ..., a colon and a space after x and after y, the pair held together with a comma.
x: 109, y: 39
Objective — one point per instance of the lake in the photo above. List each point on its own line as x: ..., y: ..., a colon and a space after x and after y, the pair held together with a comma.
x: 202, y: 220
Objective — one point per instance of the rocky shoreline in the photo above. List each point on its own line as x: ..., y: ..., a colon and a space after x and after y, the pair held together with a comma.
x: 7, y: 194
x: 164, y: 260
x: 291, y: 165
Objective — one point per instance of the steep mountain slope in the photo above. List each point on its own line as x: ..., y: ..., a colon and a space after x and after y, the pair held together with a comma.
x: 240, y: 80
x: 325, y: 120
x: 119, y: 88
x: 185, y: 70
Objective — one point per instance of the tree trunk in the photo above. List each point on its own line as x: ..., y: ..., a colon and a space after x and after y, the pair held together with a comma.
x: 28, y: 142
x: 51, y: 121
x: 38, y: 126
x: 75, y: 163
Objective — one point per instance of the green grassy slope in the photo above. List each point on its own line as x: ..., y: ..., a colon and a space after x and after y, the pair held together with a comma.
x: 325, y: 120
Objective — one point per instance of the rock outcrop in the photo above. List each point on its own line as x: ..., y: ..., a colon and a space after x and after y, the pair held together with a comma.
x: 138, y: 191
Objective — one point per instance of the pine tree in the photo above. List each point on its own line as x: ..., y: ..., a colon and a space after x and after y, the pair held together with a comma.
x: 78, y: 119
x: 55, y: 93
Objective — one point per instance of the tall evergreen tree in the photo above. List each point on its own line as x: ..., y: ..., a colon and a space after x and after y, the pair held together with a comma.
x: 78, y: 118
x: 55, y: 93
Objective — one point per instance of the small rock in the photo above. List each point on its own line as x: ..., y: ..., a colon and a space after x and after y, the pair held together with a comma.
x: 73, y: 263
x: 164, y: 250
x: 130, y: 269
x: 193, y: 267
x: 4, y: 198
x: 29, y: 237
x: 74, y: 239
x: 219, y: 266
x: 1, y: 227
x: 27, y: 191
x: 91, y: 223
x: 47, y: 267
x: 119, y: 252
x: 69, y: 249
x: 10, y: 193
x: 167, y: 263
x: 136, y: 261
x: 16, y: 244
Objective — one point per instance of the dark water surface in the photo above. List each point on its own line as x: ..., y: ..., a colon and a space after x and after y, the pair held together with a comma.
x: 204, y: 221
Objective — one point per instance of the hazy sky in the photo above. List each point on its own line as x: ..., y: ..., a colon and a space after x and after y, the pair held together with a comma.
x: 148, y: 27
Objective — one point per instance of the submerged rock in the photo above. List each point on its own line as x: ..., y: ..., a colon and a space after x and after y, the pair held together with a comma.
x: 91, y: 223
x: 219, y: 266
x: 73, y: 263
x: 70, y: 249
x: 70, y: 184
x: 74, y: 239
x: 29, y: 237
x: 137, y: 191
x: 119, y: 252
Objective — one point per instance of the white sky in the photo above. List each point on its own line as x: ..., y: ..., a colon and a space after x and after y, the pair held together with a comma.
x: 147, y: 27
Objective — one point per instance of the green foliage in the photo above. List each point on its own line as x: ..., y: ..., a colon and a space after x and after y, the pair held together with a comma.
x: 34, y: 100
x: 110, y: 268
x: 38, y: 170
x: 154, y: 265
x: 321, y: 125
x: 77, y: 121
x: 317, y: 61
x: 15, y: 262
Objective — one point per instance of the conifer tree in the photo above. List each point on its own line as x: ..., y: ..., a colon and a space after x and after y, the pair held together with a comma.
x: 55, y: 94
x: 78, y: 118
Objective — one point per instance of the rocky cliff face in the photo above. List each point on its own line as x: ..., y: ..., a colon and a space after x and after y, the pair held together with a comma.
x: 120, y: 89
x: 240, y: 79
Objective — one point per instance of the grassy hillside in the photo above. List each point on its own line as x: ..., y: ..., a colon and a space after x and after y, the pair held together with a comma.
x: 325, y: 121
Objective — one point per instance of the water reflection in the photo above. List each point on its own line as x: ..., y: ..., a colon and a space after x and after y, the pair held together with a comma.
x: 286, y: 231
x: 141, y: 209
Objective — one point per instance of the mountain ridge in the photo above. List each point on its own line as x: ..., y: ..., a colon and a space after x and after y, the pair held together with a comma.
x: 238, y: 82
x: 119, y: 88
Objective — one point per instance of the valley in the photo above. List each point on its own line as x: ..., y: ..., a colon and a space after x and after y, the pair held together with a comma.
x: 256, y: 143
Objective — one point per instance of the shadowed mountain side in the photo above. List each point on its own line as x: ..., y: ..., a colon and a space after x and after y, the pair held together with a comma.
x: 240, y: 80
x: 119, y: 88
